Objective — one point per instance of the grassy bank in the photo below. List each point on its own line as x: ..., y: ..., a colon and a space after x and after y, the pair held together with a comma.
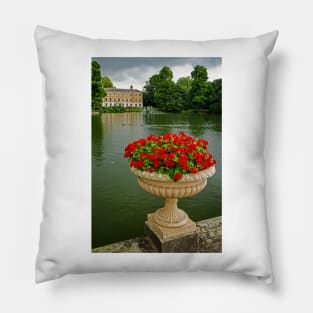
x: 118, y: 109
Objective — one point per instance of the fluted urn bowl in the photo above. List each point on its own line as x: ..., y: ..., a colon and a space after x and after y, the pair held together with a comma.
x: 170, y: 221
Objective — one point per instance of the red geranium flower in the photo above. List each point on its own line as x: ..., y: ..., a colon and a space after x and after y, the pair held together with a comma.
x: 140, y: 164
x: 133, y: 163
x: 169, y: 163
x: 171, y: 155
x: 131, y: 148
x: 177, y: 176
x: 162, y: 156
x: 185, y: 167
x: 156, y: 163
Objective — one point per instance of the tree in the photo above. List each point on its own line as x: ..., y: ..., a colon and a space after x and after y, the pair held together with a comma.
x: 160, y: 91
x: 165, y: 95
x: 106, y: 82
x: 215, y: 99
x: 200, y: 89
x: 183, y: 86
x: 97, y: 91
x: 149, y: 91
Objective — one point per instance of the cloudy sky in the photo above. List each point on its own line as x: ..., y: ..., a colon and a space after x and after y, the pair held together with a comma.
x: 136, y: 71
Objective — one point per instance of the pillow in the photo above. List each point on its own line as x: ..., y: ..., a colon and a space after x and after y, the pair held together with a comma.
x: 155, y: 155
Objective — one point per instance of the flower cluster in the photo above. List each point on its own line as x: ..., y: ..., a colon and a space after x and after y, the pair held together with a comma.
x: 170, y: 154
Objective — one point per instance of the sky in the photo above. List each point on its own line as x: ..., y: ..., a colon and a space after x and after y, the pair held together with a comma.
x: 136, y: 71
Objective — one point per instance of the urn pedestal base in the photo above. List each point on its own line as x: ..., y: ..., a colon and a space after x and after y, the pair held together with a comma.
x: 166, y: 230
x: 185, y: 240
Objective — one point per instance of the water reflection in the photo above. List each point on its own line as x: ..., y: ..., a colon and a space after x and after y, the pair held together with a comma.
x: 119, y: 206
x: 97, y: 140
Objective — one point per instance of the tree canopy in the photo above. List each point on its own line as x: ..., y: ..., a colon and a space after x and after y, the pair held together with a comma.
x: 183, y: 86
x: 160, y: 91
x: 97, y: 90
x: 195, y: 92
x: 106, y: 82
x: 215, y: 98
x: 150, y: 89
x: 165, y: 95
x: 200, y: 89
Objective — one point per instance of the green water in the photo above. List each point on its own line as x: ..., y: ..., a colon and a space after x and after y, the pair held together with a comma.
x: 119, y: 205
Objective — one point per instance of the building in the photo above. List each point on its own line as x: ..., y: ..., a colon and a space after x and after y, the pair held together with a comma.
x: 123, y: 97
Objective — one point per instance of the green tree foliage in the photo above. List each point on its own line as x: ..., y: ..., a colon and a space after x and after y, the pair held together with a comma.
x: 106, y: 82
x: 183, y: 87
x: 165, y: 94
x: 195, y: 92
x: 97, y: 91
x: 200, y: 89
x: 149, y: 91
x: 215, y: 98
x: 161, y: 92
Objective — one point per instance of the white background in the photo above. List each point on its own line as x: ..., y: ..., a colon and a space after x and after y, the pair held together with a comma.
x: 289, y: 114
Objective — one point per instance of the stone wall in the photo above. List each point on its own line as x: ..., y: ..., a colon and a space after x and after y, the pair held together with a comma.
x: 209, y: 240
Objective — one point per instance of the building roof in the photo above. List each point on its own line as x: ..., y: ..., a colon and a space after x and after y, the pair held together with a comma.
x: 122, y: 90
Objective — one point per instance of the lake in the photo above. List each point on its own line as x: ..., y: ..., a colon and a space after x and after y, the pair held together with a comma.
x: 119, y: 205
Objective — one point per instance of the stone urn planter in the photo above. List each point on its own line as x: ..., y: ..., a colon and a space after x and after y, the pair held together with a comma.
x: 170, y: 221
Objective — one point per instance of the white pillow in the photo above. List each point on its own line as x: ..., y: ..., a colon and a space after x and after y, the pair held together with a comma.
x: 65, y: 239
